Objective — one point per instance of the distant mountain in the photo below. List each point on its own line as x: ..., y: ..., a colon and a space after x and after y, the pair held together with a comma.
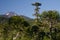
x: 10, y: 14
x: 26, y: 18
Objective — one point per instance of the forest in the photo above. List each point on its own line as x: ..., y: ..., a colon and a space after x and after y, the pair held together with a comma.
x: 47, y: 27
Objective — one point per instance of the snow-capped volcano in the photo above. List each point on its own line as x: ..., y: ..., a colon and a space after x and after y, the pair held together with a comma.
x: 9, y: 14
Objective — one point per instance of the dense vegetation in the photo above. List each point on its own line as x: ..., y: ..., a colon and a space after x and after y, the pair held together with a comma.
x: 18, y: 28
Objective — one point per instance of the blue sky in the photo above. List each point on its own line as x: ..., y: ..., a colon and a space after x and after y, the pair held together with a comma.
x: 24, y: 7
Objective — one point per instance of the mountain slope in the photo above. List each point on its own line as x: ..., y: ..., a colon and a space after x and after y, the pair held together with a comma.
x: 6, y: 16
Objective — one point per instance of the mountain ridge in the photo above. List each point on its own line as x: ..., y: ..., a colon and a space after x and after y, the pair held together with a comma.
x: 10, y: 14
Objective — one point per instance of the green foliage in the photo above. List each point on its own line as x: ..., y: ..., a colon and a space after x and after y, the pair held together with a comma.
x: 16, y: 20
x: 51, y: 15
x: 21, y: 29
